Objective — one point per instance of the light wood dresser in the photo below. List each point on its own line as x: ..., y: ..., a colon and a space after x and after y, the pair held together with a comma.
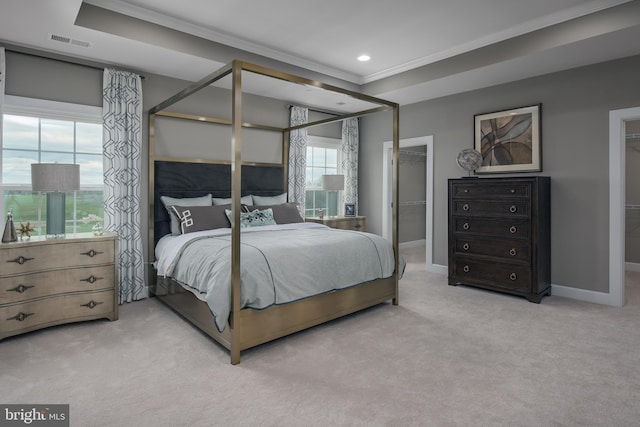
x: 500, y: 235
x: 47, y: 282
x: 356, y: 223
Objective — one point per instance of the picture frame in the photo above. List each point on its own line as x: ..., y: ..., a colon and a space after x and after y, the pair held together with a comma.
x: 349, y: 209
x: 509, y: 140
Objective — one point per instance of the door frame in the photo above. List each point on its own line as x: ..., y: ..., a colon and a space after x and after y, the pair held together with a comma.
x: 617, y: 177
x: 387, y: 157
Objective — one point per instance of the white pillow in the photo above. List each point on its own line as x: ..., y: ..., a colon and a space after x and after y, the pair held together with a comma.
x: 245, y: 200
x: 189, y: 201
x: 269, y: 200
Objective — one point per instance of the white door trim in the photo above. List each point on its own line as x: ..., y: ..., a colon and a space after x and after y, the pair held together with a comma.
x: 617, y: 176
x: 386, y: 195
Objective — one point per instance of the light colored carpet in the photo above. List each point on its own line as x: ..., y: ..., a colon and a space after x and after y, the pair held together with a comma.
x: 446, y: 356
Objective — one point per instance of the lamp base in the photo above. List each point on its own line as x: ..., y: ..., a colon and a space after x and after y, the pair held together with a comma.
x: 55, y: 214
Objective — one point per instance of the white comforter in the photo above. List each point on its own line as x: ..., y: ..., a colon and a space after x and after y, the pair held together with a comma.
x: 279, y: 263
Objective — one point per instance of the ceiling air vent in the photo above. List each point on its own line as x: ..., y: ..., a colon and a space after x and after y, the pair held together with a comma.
x: 68, y: 40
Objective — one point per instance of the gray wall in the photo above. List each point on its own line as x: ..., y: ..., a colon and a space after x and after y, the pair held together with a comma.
x: 575, y: 123
x: 575, y: 108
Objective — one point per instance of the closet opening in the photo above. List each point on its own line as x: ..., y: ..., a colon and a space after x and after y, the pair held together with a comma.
x: 415, y: 211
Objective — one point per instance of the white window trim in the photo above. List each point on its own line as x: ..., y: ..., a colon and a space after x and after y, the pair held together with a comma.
x: 325, y: 142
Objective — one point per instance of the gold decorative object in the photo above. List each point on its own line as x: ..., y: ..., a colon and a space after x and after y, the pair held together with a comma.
x: 26, y: 230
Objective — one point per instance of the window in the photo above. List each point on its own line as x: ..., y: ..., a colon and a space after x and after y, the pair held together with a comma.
x: 323, y: 157
x: 39, y: 131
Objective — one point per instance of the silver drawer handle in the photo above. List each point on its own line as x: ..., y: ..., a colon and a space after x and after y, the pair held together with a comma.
x: 513, y: 276
x: 513, y: 190
x: 465, y: 226
x: 20, y: 260
x: 466, y: 269
x: 91, y: 279
x: 19, y: 289
x: 20, y: 316
x: 91, y: 253
x: 513, y: 252
x: 513, y: 209
x: 465, y: 246
x: 513, y: 229
x: 465, y: 207
x: 91, y: 304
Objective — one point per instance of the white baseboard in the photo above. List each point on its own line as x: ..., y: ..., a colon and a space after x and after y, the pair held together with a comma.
x: 412, y: 244
x: 439, y: 269
x: 632, y: 266
x: 582, y: 295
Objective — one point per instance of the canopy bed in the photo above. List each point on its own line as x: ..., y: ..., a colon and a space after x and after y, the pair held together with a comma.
x: 176, y: 184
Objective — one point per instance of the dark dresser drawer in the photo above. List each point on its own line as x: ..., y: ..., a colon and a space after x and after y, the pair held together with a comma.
x: 514, y: 250
x: 492, y: 227
x: 491, y: 190
x: 507, y: 276
x: 500, y: 208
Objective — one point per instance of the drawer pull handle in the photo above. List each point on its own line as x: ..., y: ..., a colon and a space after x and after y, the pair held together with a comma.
x: 513, y: 190
x: 465, y: 246
x: 465, y: 207
x: 466, y: 269
x: 91, y: 253
x: 20, y: 289
x: 465, y: 226
x: 513, y: 209
x: 91, y: 279
x: 91, y: 304
x: 513, y: 252
x: 466, y: 190
x: 357, y: 226
x: 20, y: 316
x: 513, y: 276
x: 513, y: 229
x: 20, y: 260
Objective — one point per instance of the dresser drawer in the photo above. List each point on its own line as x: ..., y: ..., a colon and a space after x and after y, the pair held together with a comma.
x: 492, y: 227
x: 17, y: 318
x: 491, y: 190
x: 511, y: 208
x: 513, y: 250
x: 32, y: 258
x: 36, y: 285
x: 513, y: 277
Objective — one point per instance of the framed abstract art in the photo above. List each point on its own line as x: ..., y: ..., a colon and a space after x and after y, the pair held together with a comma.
x: 509, y: 140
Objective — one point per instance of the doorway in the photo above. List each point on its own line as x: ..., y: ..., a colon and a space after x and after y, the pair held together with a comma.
x: 421, y: 149
x: 617, y: 187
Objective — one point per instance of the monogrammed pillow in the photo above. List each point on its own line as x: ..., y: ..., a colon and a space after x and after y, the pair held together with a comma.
x: 199, y: 218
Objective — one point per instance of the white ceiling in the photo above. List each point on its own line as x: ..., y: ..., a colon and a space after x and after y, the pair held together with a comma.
x: 410, y: 42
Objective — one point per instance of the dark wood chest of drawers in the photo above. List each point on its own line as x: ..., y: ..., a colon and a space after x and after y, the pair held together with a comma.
x: 499, y: 235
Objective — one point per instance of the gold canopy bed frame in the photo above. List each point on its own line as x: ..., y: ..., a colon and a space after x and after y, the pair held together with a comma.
x: 247, y: 327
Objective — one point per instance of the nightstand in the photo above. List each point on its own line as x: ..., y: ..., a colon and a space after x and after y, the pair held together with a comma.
x: 47, y: 282
x: 356, y: 223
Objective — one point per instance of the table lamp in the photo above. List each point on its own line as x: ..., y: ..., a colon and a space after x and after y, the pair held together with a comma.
x: 55, y: 179
x: 332, y: 183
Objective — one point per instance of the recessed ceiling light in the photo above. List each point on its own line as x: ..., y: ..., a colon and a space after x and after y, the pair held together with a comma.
x: 364, y: 58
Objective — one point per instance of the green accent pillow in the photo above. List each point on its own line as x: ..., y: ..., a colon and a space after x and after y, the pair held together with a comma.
x: 255, y: 218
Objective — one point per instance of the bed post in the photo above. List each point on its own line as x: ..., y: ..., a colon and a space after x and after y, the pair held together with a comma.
x: 236, y: 176
x: 395, y: 198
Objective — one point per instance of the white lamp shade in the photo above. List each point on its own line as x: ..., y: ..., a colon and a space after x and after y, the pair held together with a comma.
x: 55, y: 177
x: 333, y: 182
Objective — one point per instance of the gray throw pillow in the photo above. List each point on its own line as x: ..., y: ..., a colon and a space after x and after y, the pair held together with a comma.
x: 199, y: 218
x: 189, y: 201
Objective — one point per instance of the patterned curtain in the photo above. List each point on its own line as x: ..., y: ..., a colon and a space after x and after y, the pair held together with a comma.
x: 122, y: 114
x: 298, y: 157
x: 2, y: 74
x: 349, y: 148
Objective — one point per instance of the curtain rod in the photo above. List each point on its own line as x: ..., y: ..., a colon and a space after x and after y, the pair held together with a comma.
x: 68, y: 61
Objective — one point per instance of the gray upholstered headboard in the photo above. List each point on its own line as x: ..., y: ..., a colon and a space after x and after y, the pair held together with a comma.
x: 184, y: 179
